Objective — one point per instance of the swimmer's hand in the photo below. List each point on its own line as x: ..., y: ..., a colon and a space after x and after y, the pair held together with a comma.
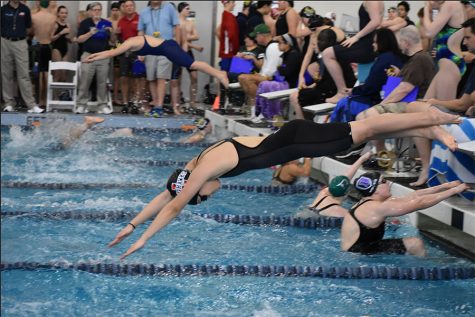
x: 139, y: 244
x: 124, y: 233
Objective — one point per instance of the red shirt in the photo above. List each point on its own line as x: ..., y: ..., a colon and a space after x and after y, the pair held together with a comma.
x: 229, y: 36
x: 128, y: 27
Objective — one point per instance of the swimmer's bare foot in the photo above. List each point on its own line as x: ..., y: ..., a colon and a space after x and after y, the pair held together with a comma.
x: 440, y: 134
x: 177, y: 111
x: 423, y: 177
x: 440, y: 117
x: 337, y: 97
x: 223, y: 78
x: 93, y: 120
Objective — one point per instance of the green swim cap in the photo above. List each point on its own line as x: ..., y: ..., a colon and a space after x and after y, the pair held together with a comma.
x: 339, y: 186
x: 44, y: 3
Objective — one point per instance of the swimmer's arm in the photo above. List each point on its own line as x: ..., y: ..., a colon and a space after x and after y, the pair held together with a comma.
x: 403, y: 205
x: 356, y: 165
x: 130, y: 44
x: 435, y: 189
x: 171, y: 210
x: 394, y: 25
x: 434, y: 27
x: 152, y: 208
x: 149, y: 211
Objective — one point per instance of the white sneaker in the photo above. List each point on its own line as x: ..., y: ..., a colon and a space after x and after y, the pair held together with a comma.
x: 258, y: 119
x: 35, y: 109
x: 81, y: 109
x: 8, y: 109
x: 104, y: 110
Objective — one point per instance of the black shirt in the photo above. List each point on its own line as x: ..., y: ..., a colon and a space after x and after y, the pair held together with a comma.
x: 470, y: 86
x: 242, y: 24
x: 95, y: 43
x: 254, y: 20
x: 290, y: 68
x: 15, y: 21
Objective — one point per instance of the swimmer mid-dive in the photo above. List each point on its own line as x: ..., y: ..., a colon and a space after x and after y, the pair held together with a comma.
x: 148, y: 45
x: 329, y: 199
x: 298, y: 138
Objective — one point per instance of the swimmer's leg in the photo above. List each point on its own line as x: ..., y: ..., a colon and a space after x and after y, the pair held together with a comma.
x: 77, y: 131
x: 390, y: 124
x: 208, y: 69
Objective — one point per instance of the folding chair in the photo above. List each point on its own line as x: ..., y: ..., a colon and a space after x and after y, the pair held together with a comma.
x: 69, y: 86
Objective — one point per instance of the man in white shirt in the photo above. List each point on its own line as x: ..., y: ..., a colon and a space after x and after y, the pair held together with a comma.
x: 250, y: 82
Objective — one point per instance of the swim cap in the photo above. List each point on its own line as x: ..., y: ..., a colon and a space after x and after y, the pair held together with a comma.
x: 307, y: 12
x: 367, y: 183
x: 176, y: 183
x: 44, y: 3
x: 201, y: 123
x: 339, y: 186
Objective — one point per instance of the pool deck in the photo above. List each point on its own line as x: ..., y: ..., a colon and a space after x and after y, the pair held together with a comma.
x: 451, y: 222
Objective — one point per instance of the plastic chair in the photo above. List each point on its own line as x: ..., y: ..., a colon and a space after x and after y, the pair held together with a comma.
x: 69, y: 86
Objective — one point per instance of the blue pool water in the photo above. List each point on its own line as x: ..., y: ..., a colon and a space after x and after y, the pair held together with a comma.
x: 28, y: 156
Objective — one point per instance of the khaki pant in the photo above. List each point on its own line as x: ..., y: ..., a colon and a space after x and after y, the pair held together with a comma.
x: 249, y: 83
x: 101, y: 70
x: 15, y: 58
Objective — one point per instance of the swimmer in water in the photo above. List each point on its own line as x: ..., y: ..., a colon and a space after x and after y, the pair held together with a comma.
x: 202, y: 127
x: 363, y: 227
x: 297, y: 138
x: 329, y: 199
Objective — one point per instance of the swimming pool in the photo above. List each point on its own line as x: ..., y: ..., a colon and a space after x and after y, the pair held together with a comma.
x: 96, y: 159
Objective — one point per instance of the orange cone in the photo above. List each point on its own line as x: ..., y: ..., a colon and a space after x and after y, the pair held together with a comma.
x: 216, y: 103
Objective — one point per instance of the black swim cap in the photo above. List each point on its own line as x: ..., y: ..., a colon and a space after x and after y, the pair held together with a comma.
x: 367, y: 183
x: 176, y: 183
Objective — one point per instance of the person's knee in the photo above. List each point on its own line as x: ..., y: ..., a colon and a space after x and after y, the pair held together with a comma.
x: 414, y: 246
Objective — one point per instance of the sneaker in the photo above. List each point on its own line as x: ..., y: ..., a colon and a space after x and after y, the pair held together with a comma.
x: 35, y: 109
x: 156, y: 112
x: 9, y: 109
x: 104, y: 110
x: 134, y: 110
x: 125, y: 109
x: 81, y: 110
x: 258, y: 119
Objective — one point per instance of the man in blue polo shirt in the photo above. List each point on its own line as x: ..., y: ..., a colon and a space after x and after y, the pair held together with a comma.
x: 159, y: 19
x: 15, y: 24
x: 94, y: 33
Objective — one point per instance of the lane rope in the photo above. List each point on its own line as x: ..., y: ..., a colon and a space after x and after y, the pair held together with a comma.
x: 358, y: 272
x: 282, y: 190
x: 253, y: 220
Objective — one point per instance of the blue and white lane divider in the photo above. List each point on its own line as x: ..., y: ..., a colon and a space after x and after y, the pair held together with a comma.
x: 358, y: 272
x: 289, y: 189
x: 253, y: 220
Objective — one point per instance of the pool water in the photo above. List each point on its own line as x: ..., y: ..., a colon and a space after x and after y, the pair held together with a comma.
x: 190, y: 239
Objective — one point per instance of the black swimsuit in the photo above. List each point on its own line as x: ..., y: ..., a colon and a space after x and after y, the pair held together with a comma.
x: 371, y: 240
x: 317, y: 210
x: 296, y: 139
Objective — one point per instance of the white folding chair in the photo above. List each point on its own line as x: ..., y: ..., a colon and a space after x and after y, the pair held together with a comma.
x: 70, y: 86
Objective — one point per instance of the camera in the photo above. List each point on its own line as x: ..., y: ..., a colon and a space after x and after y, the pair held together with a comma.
x: 314, y: 22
